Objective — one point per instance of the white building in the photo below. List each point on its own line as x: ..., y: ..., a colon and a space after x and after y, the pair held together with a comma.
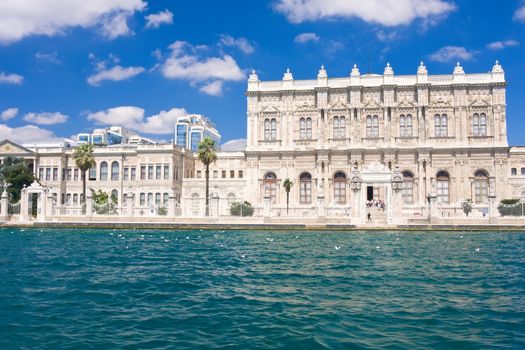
x: 113, y: 135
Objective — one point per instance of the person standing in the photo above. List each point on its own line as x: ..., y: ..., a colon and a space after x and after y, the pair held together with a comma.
x: 369, y: 216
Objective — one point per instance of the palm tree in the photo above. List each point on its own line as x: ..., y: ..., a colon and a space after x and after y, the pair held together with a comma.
x: 287, y: 184
x: 207, y: 155
x: 84, y: 160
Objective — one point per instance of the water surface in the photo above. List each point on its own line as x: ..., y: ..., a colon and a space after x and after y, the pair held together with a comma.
x: 101, y: 289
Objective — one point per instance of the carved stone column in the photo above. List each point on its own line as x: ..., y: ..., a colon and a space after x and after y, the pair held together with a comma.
x: 4, y: 205
x: 24, y: 206
x: 89, y: 204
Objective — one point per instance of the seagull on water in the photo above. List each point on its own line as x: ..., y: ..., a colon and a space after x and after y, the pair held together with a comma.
x: 477, y: 249
x: 337, y: 247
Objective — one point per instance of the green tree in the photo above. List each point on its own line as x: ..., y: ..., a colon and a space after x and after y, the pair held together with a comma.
x: 15, y: 172
x: 287, y: 184
x: 467, y: 206
x: 104, y: 203
x: 84, y: 160
x: 241, y: 209
x: 207, y: 155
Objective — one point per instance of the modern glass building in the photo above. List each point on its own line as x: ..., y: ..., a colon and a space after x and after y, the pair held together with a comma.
x: 192, y: 129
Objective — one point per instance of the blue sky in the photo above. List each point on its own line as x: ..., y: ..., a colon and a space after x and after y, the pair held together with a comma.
x: 69, y: 68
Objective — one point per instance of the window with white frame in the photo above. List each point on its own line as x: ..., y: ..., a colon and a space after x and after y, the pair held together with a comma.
x: 479, y: 124
x: 407, y: 191
x: 372, y: 126
x: 305, y: 188
x: 481, y: 187
x: 339, y: 127
x: 442, y: 187
x: 405, y: 125
x: 340, y: 188
x: 440, y: 125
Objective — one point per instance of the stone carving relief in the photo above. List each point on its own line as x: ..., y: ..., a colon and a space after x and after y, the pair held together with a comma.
x: 397, y: 179
x: 355, y: 180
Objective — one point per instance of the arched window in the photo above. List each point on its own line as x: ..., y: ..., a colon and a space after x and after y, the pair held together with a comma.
x: 115, y: 171
x: 440, y: 125
x: 273, y: 129
x: 305, y: 181
x: 339, y: 127
x: 368, y: 126
x: 165, y: 199
x: 305, y: 128
x: 150, y: 198
x: 231, y: 199
x: 103, y: 171
x: 270, y: 185
x: 340, y: 188
x: 93, y: 173
x: 408, y: 188
x: 481, y: 186
x: 142, y: 199
x: 157, y: 199
x: 375, y: 126
x: 405, y: 125
x: 443, y: 187
x: 195, y: 204
x: 302, y: 128
x: 267, y: 133
x: 479, y: 124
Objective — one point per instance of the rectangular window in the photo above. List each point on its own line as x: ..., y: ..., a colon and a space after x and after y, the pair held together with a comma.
x: 166, y: 172
x: 69, y: 174
x: 150, y: 172
x: 165, y: 198
x: 522, y: 171
x: 143, y: 172
x: 150, y: 198
x: 232, y: 174
x: 75, y: 176
x: 158, y: 172
x: 157, y: 199
x: 199, y: 174
x: 215, y: 174
x: 142, y: 199
x: 240, y: 174
x: 126, y: 174
x: 514, y: 171
x: 55, y: 174
x: 93, y: 174
x: 48, y: 174
x: 223, y: 174
x: 41, y: 173
x: 133, y: 174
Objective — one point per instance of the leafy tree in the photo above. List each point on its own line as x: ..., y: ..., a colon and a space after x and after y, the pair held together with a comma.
x: 15, y: 172
x: 207, y: 155
x: 287, y: 184
x: 467, y: 206
x: 104, y: 203
x: 84, y: 160
x: 241, y: 209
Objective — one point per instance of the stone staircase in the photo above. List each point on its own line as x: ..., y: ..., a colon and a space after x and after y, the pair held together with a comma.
x: 379, y: 216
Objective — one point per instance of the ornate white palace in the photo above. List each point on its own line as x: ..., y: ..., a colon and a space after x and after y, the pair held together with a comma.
x: 402, y: 148
x: 399, y: 149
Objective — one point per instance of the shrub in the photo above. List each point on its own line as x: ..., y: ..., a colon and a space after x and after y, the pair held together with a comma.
x: 241, y: 209
x: 511, y: 207
x: 162, y: 211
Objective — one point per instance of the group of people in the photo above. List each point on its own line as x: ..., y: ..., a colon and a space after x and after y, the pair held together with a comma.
x: 377, y: 203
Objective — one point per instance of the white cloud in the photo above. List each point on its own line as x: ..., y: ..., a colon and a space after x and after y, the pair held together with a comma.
x: 185, y: 62
x: 519, y: 15
x: 117, y: 73
x: 46, y: 118
x: 449, y: 53
x: 9, y: 113
x: 214, y: 88
x: 15, y: 79
x: 306, y: 37
x: 23, y: 18
x: 499, y: 45
x: 384, y: 12
x: 134, y: 118
x: 154, y: 20
x: 241, y: 43
x: 24, y: 134
x: 47, y: 56
x: 387, y: 37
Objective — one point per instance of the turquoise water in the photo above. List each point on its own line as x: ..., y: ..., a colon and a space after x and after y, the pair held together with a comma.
x: 105, y: 289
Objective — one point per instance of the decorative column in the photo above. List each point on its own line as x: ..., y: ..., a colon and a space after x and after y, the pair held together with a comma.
x: 24, y: 205
x: 357, y: 201
x: 171, y: 205
x: 89, y: 204
x: 130, y: 198
x: 214, y: 212
x: 493, y: 206
x: 4, y: 204
x: 42, y: 206
x: 50, y: 206
x: 395, y: 205
x: 267, y: 199
x: 321, y: 215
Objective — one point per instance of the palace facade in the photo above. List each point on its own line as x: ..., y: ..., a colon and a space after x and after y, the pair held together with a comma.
x: 402, y: 148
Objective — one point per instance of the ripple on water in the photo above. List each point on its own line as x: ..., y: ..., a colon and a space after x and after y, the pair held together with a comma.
x: 239, y: 290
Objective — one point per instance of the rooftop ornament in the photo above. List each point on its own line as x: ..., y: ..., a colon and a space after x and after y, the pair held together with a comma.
x: 497, y: 68
x: 355, y: 71
x: 288, y: 75
x: 458, y: 69
x: 253, y: 76
x: 322, y: 73
x: 422, y: 69
x: 388, y: 70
